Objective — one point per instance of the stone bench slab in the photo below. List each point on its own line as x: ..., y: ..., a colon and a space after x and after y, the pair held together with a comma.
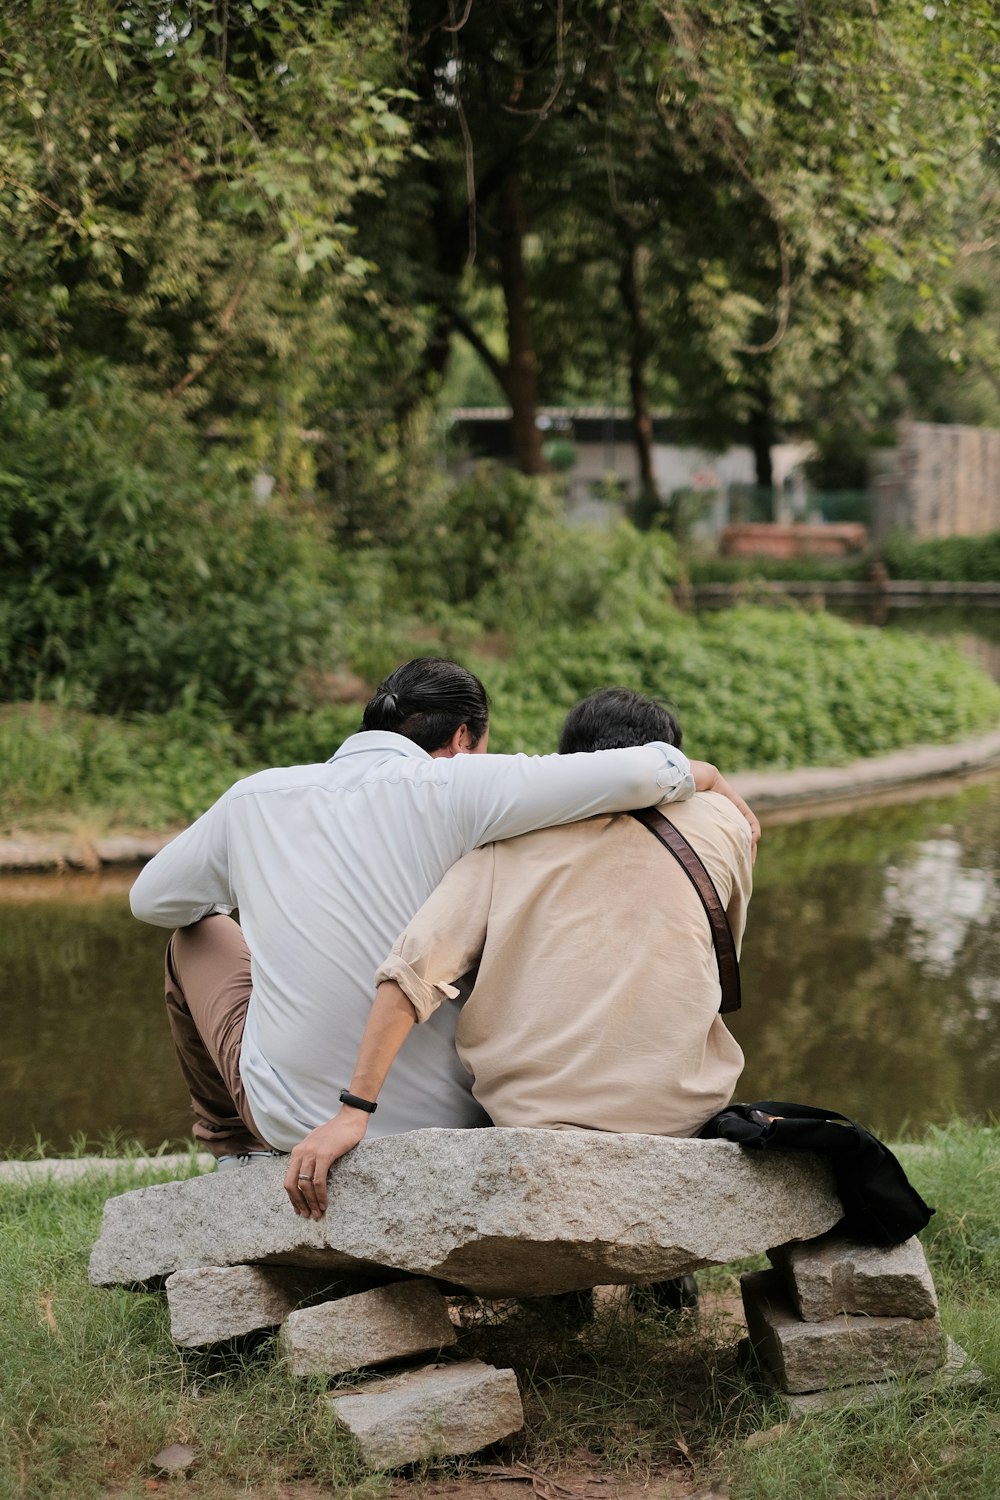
x: 501, y: 1212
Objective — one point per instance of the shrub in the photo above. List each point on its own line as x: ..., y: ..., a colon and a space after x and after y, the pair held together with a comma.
x: 958, y: 559
x: 753, y: 687
x: 715, y: 569
x: 57, y: 761
x: 138, y: 571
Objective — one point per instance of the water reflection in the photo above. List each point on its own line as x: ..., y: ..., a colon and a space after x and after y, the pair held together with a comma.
x: 871, y: 963
x: 85, y: 1049
x: 871, y: 982
x: 940, y: 899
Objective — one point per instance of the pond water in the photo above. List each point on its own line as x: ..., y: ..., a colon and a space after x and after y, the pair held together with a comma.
x: 871, y: 980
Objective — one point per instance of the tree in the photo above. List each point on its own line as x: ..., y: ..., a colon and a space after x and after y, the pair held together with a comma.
x: 764, y: 180
x: 178, y: 183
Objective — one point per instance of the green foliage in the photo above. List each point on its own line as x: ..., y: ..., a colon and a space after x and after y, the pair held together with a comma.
x: 753, y: 687
x: 141, y: 575
x: 958, y: 559
x: 468, y: 536
x: 277, y: 218
x: 565, y: 576
x: 58, y: 763
x: 807, y: 151
x: 306, y: 737
x: 493, y: 552
x: 173, y: 179
x: 717, y: 569
x: 230, y: 617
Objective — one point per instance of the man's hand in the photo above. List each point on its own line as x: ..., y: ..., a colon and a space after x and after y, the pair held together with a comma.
x: 708, y: 778
x: 310, y: 1162
x: 390, y: 1023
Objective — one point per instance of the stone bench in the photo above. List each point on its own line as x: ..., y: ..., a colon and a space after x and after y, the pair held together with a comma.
x: 515, y: 1213
x: 495, y: 1212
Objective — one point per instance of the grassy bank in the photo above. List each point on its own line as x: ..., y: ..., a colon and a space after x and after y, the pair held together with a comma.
x: 755, y: 688
x: 91, y: 1386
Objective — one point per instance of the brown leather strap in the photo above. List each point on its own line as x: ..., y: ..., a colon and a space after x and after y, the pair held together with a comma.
x: 722, y: 934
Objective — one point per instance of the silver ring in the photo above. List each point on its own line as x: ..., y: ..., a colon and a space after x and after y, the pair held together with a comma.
x: 303, y: 1178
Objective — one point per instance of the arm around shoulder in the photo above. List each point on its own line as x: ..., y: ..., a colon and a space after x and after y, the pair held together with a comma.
x: 501, y: 796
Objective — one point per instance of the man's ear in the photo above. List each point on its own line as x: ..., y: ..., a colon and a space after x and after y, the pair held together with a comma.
x: 459, y: 744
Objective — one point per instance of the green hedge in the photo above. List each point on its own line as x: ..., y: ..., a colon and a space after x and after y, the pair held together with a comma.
x: 753, y: 687
x: 136, y: 571
x: 951, y: 559
x: 717, y: 569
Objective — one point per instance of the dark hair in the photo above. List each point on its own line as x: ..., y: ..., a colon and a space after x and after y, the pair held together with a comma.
x: 615, y: 718
x: 426, y: 700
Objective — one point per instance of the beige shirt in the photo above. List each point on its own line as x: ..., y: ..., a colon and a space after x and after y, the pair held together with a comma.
x: 596, y: 1001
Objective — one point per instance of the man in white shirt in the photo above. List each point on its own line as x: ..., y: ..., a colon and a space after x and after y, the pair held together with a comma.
x: 326, y: 864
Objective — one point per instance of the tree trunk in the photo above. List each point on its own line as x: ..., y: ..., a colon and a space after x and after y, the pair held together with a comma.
x: 648, y: 503
x: 521, y: 382
x: 762, y: 436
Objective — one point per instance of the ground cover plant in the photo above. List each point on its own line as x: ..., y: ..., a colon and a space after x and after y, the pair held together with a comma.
x: 754, y: 687
x: 91, y: 1388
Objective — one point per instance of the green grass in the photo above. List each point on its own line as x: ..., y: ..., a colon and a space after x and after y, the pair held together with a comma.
x: 62, y: 767
x: 91, y: 1386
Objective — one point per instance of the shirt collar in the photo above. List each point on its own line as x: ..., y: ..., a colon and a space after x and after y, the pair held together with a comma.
x: 370, y: 740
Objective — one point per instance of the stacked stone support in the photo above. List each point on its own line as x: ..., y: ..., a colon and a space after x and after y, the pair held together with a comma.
x: 213, y: 1304
x: 427, y: 1413
x: 835, y: 1322
x: 351, y: 1333
x: 415, y: 1413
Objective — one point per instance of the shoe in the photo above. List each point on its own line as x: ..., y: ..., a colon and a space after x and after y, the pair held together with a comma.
x: 667, y: 1300
x: 244, y: 1159
x: 562, y: 1312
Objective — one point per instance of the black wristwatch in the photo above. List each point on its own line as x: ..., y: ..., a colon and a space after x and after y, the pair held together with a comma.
x: 368, y: 1105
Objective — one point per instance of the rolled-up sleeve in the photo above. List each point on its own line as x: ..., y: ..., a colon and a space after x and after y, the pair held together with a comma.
x: 446, y: 937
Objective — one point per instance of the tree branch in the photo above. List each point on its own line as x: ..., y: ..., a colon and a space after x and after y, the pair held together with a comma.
x: 784, y: 304
x: 225, y: 323
x: 470, y: 156
x: 475, y: 340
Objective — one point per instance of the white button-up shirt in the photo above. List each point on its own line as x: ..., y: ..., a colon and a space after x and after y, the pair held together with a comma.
x: 328, y: 863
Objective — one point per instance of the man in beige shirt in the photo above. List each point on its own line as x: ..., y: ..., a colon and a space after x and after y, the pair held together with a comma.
x: 595, y: 1004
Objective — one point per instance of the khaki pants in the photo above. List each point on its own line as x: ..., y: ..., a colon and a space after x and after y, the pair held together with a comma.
x: 207, y: 992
